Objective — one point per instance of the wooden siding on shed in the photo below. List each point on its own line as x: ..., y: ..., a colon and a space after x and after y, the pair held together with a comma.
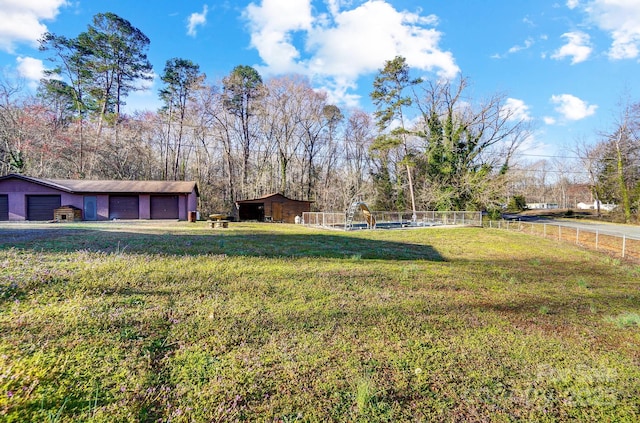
x: 276, y: 207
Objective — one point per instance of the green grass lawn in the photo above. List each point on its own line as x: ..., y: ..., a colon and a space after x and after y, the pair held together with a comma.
x: 177, y: 322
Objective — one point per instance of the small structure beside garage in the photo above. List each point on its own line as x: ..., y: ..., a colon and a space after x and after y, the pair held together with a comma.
x: 272, y: 208
x: 67, y: 214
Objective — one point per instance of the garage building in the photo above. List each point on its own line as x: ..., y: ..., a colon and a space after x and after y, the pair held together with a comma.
x: 27, y: 198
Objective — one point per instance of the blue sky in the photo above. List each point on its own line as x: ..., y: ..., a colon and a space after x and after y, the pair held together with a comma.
x: 564, y: 65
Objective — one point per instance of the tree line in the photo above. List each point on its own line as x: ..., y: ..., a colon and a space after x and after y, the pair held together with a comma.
x: 427, y: 146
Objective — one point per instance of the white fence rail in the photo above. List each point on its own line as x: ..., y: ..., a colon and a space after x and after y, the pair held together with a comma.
x: 625, y: 246
x: 338, y: 220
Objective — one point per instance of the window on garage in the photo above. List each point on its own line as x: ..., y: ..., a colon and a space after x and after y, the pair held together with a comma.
x: 123, y: 207
x: 41, y: 207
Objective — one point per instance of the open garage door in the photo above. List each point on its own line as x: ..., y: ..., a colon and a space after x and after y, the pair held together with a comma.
x: 164, y: 207
x: 41, y: 207
x: 4, y: 207
x: 124, y: 207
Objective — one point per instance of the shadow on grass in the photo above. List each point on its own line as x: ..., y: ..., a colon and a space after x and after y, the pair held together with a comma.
x: 238, y: 243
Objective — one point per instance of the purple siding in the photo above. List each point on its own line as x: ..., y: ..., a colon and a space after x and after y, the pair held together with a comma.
x: 144, y: 205
x: 103, y: 207
x: 192, y: 205
x: 17, y: 190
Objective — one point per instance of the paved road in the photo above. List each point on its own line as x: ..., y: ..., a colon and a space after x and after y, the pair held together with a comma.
x: 631, y: 231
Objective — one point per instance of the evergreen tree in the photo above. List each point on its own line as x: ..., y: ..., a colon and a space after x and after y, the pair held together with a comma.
x: 243, y: 89
x: 181, y: 77
x: 389, y: 96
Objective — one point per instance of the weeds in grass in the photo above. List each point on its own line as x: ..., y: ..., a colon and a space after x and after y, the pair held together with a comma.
x: 369, y: 405
x: 57, y: 416
x: 625, y: 320
x: 582, y: 283
x: 365, y: 394
x: 544, y: 310
x: 120, y: 251
x: 611, y: 261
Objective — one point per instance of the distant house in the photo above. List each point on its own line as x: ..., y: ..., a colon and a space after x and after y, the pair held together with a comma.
x: 594, y: 206
x: 538, y: 206
x: 274, y: 207
x: 26, y: 198
x: 577, y: 194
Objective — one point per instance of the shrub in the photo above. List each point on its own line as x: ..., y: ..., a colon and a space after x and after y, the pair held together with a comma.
x: 517, y: 203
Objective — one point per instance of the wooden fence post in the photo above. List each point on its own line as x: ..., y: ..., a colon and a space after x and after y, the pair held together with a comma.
x: 559, y: 233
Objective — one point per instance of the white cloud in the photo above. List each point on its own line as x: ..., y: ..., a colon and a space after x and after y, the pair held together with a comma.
x: 272, y: 25
x: 30, y: 68
x: 573, y: 108
x: 578, y: 47
x: 548, y: 120
x: 515, y: 49
x: 621, y: 19
x: 533, y: 146
x: 572, y: 4
x: 527, y: 44
x: 196, y: 20
x: 21, y: 20
x: 339, y: 47
x: 517, y: 110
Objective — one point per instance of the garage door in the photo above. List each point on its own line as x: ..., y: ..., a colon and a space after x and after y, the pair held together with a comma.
x: 123, y: 207
x: 4, y: 207
x: 41, y: 207
x: 164, y: 207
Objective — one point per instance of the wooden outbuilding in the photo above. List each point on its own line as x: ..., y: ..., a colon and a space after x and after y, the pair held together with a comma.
x: 67, y: 214
x: 272, y: 208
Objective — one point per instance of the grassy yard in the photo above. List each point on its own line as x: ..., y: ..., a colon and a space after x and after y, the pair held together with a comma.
x: 263, y: 322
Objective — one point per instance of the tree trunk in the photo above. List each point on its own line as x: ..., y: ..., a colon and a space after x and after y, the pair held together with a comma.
x: 624, y: 192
